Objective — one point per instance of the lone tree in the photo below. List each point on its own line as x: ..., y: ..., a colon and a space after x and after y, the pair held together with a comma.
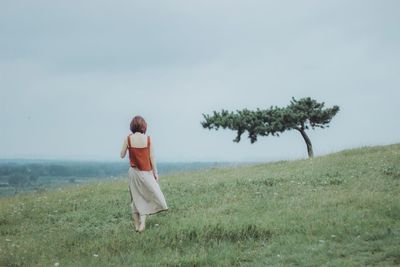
x: 299, y: 115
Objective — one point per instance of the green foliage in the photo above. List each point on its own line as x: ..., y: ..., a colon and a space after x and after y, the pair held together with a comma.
x: 307, y: 112
x: 18, y: 180
x: 259, y: 122
x: 392, y: 171
x: 299, y: 115
x: 336, y: 210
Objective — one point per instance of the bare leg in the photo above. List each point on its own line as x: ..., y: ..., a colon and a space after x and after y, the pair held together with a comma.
x: 142, y: 224
x: 136, y: 221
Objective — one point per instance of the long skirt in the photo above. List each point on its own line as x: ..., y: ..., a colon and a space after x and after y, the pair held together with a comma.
x: 146, y: 195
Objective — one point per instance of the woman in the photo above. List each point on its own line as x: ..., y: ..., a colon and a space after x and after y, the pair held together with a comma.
x: 146, y: 196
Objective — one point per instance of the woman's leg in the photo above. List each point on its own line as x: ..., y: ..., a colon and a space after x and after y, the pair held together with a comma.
x: 135, y: 213
x: 136, y: 220
x: 142, y: 224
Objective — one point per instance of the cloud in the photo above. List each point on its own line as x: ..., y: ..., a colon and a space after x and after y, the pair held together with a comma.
x: 75, y: 73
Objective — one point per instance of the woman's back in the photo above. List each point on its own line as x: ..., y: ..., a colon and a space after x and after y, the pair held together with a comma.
x: 138, y: 140
x: 140, y: 146
x: 139, y: 151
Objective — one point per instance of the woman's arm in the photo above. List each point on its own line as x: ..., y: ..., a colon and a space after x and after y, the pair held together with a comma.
x: 153, y: 161
x: 124, y: 149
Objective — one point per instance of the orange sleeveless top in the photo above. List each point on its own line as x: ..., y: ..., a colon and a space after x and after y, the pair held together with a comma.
x: 140, y: 157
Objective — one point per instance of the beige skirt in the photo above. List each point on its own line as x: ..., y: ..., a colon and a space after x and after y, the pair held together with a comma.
x: 146, y: 195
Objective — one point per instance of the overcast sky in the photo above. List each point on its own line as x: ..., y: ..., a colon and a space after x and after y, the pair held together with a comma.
x: 74, y: 73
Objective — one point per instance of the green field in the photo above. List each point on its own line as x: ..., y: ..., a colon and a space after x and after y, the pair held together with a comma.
x: 337, y: 210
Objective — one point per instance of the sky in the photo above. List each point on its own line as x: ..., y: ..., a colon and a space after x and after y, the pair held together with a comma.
x: 74, y: 73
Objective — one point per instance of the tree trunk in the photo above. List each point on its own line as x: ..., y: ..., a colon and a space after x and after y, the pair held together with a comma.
x: 308, y: 143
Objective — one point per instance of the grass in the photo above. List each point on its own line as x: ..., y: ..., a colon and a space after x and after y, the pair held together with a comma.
x: 338, y: 210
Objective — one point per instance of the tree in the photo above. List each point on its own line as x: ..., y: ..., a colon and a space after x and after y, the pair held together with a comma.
x: 299, y: 115
x: 18, y: 180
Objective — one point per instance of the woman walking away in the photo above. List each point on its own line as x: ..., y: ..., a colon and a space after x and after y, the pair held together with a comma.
x: 146, y: 195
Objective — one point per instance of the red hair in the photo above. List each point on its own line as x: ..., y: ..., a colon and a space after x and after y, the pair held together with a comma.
x: 138, y: 124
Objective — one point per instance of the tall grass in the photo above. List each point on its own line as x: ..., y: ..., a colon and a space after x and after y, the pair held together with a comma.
x: 338, y: 210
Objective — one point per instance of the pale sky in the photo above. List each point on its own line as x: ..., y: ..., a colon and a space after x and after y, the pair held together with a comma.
x: 74, y: 73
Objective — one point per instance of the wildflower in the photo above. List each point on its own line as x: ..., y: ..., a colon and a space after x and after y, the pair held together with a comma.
x: 57, y: 264
x: 95, y: 255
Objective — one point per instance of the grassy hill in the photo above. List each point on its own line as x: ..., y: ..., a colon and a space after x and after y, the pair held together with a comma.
x: 338, y: 210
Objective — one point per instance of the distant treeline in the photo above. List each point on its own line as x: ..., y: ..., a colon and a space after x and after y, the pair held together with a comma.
x: 78, y: 169
x: 28, y: 174
x: 19, y: 174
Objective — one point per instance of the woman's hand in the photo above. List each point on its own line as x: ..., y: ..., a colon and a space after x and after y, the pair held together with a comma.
x: 156, y: 176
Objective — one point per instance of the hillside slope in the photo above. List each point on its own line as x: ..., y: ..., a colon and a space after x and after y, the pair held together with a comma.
x: 338, y: 210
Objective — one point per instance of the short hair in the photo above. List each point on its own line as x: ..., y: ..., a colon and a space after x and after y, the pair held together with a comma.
x: 138, y: 124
